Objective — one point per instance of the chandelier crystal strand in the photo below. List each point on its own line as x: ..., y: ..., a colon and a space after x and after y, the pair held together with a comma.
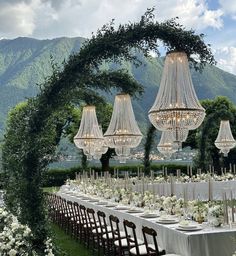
x: 176, y: 107
x: 122, y: 154
x: 225, y: 140
x: 165, y: 146
x: 89, y: 137
x: 123, y: 131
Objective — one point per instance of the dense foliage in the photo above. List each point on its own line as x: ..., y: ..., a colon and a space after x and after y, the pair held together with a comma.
x: 202, y: 139
x: 33, y: 130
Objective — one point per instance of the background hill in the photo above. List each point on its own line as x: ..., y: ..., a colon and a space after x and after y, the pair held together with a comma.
x: 25, y: 62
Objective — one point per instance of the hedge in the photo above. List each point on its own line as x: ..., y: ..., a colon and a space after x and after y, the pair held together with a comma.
x: 57, y: 177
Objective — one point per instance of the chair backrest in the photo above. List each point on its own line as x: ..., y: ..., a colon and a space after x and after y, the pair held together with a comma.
x: 147, y: 233
x: 114, y: 222
x: 92, y: 219
x: 59, y: 203
x: 102, y: 223
x: 83, y: 215
x: 70, y: 209
x: 77, y: 213
x: 130, y: 233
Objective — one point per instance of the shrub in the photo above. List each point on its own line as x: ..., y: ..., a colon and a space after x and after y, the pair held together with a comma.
x: 57, y: 177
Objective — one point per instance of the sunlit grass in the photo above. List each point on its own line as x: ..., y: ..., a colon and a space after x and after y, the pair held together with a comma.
x: 69, y: 245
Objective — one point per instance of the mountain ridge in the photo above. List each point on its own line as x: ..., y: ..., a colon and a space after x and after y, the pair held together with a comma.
x: 25, y: 62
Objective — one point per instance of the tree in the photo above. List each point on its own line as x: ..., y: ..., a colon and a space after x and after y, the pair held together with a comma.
x: 149, y: 141
x: 203, y: 139
x: 27, y: 149
x: 104, y: 112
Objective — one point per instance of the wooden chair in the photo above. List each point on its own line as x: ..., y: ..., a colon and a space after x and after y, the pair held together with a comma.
x: 106, y: 235
x: 153, y: 249
x: 85, y: 225
x: 120, y: 242
x: 135, y: 246
x: 94, y: 229
x: 78, y: 223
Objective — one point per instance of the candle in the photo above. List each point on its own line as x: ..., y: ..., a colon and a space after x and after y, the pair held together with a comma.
x: 232, y: 204
x: 222, y: 172
x: 138, y: 172
x: 230, y: 167
x: 234, y: 168
x: 165, y: 171
x: 152, y: 175
x: 143, y: 183
x: 171, y: 185
x: 226, y: 209
x: 191, y: 171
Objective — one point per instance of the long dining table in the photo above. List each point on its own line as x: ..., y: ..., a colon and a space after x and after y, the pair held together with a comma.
x: 209, y: 241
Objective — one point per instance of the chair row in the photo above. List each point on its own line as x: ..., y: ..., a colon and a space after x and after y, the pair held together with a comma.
x: 101, y: 233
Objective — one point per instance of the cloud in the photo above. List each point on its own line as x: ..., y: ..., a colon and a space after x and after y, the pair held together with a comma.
x: 228, y: 6
x: 54, y: 18
x: 226, y: 57
x: 16, y: 19
x: 192, y: 13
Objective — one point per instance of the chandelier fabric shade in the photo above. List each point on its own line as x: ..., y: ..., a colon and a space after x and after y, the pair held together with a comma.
x: 89, y: 137
x: 225, y: 140
x: 176, y: 106
x: 123, y: 130
x: 166, y: 146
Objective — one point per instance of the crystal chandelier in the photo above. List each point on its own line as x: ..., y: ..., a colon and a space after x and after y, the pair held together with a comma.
x: 89, y: 137
x: 176, y: 107
x: 122, y: 154
x: 225, y: 140
x: 165, y: 146
x: 123, y: 132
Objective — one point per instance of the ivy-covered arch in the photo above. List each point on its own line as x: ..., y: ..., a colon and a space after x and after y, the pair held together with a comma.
x: 28, y: 147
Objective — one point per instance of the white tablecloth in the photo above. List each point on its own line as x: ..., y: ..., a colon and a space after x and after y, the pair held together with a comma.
x: 194, y: 189
x: 207, y: 242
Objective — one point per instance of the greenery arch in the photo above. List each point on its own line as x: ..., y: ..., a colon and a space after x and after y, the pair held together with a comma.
x: 28, y: 147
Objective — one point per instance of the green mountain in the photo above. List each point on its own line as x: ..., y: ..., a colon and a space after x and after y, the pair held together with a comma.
x: 25, y: 62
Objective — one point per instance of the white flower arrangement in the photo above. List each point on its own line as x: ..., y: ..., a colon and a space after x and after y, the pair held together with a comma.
x: 15, y: 238
x: 216, y: 215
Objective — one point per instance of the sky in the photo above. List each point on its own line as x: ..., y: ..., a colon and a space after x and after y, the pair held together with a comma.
x: 56, y: 18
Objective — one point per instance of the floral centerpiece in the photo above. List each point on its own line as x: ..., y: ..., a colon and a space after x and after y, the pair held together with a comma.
x: 216, y: 215
x: 199, y: 210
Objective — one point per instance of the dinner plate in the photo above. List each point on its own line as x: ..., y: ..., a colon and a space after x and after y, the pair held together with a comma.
x: 121, y: 207
x: 187, y: 228
x: 110, y: 205
x: 85, y: 198
x: 93, y: 200
x: 102, y: 203
x: 134, y: 211
x: 149, y: 215
x: 167, y: 221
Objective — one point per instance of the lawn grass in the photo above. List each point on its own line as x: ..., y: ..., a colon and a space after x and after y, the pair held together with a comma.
x: 69, y: 245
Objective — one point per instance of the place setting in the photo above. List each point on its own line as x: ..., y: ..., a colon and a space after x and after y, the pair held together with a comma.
x: 167, y: 219
x: 189, y: 226
x: 134, y: 210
